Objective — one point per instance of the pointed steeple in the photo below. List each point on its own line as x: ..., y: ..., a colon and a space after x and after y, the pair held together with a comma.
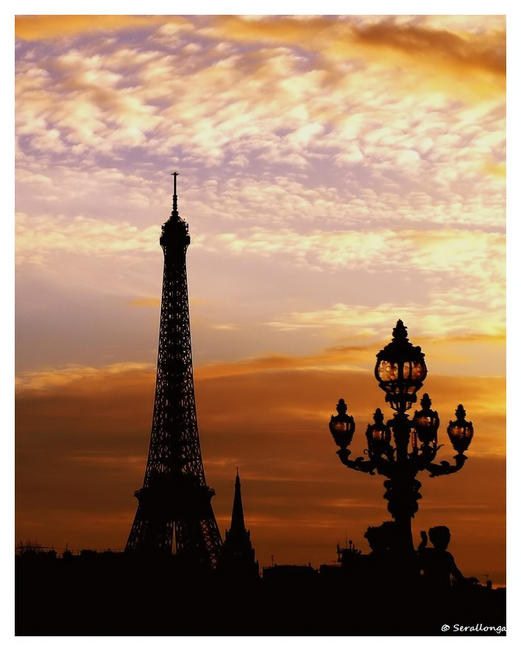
x: 237, y: 513
x: 237, y: 554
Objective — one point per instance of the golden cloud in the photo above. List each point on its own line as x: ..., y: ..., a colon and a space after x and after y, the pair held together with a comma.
x: 83, y: 378
x: 448, y: 249
x: 443, y: 52
x: 31, y: 28
x: 472, y: 260
x: 36, y: 237
x: 496, y: 169
x: 444, y: 322
x: 146, y: 301
x: 85, y: 106
x: 482, y: 52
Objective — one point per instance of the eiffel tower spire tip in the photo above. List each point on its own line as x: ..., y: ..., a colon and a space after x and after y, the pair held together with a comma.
x: 175, y: 212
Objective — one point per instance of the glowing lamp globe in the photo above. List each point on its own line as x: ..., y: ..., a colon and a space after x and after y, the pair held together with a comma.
x: 378, y: 434
x: 400, y: 370
x: 342, y: 426
x: 460, y: 431
x: 426, y: 422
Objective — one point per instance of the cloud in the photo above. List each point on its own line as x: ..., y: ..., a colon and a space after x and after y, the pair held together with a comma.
x: 439, y: 315
x: 207, y: 102
x: 346, y: 359
x: 442, y: 49
x: 50, y: 379
x: 385, y: 249
x: 473, y: 303
x: 145, y: 301
x: 455, y: 278
x: 31, y: 28
x: 433, y: 46
x: 496, y: 169
x: 456, y: 352
x: 36, y: 237
x: 225, y: 326
x: 473, y: 253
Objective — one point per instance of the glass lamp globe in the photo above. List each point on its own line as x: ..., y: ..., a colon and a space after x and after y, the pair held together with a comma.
x: 400, y: 370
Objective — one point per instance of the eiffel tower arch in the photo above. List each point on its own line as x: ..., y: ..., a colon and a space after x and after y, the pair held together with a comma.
x: 175, y: 502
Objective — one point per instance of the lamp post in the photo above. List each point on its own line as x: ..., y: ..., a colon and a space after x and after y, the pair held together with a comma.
x: 402, y: 447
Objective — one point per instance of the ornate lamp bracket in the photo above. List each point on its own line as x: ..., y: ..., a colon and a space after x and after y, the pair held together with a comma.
x: 359, y: 463
x: 445, y: 468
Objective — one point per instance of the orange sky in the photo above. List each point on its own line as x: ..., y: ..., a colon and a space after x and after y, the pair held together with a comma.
x: 83, y: 441
x: 337, y: 174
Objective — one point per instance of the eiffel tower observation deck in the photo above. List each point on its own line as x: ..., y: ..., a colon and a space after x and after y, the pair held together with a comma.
x: 174, y: 505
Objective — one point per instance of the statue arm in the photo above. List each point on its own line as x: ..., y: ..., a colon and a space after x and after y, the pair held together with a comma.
x: 423, y: 543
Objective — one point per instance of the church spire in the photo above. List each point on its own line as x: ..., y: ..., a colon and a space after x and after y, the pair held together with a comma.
x: 237, y: 513
x: 237, y: 554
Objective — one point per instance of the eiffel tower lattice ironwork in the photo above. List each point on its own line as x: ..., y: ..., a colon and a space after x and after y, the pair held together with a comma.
x: 175, y: 502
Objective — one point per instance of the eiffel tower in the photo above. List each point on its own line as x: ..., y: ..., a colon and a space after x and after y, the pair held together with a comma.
x: 174, y: 502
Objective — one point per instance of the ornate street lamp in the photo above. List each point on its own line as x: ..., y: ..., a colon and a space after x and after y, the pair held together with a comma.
x: 401, y: 448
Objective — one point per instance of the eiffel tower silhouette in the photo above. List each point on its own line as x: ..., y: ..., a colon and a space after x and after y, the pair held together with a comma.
x: 175, y: 502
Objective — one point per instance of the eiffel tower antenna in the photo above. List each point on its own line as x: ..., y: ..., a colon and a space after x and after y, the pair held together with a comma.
x: 174, y: 501
x: 175, y: 212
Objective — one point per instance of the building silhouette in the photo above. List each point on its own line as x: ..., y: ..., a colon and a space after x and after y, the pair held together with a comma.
x: 174, y: 508
x: 237, y: 554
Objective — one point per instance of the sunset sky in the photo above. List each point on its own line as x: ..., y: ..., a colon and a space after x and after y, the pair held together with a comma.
x: 337, y: 173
